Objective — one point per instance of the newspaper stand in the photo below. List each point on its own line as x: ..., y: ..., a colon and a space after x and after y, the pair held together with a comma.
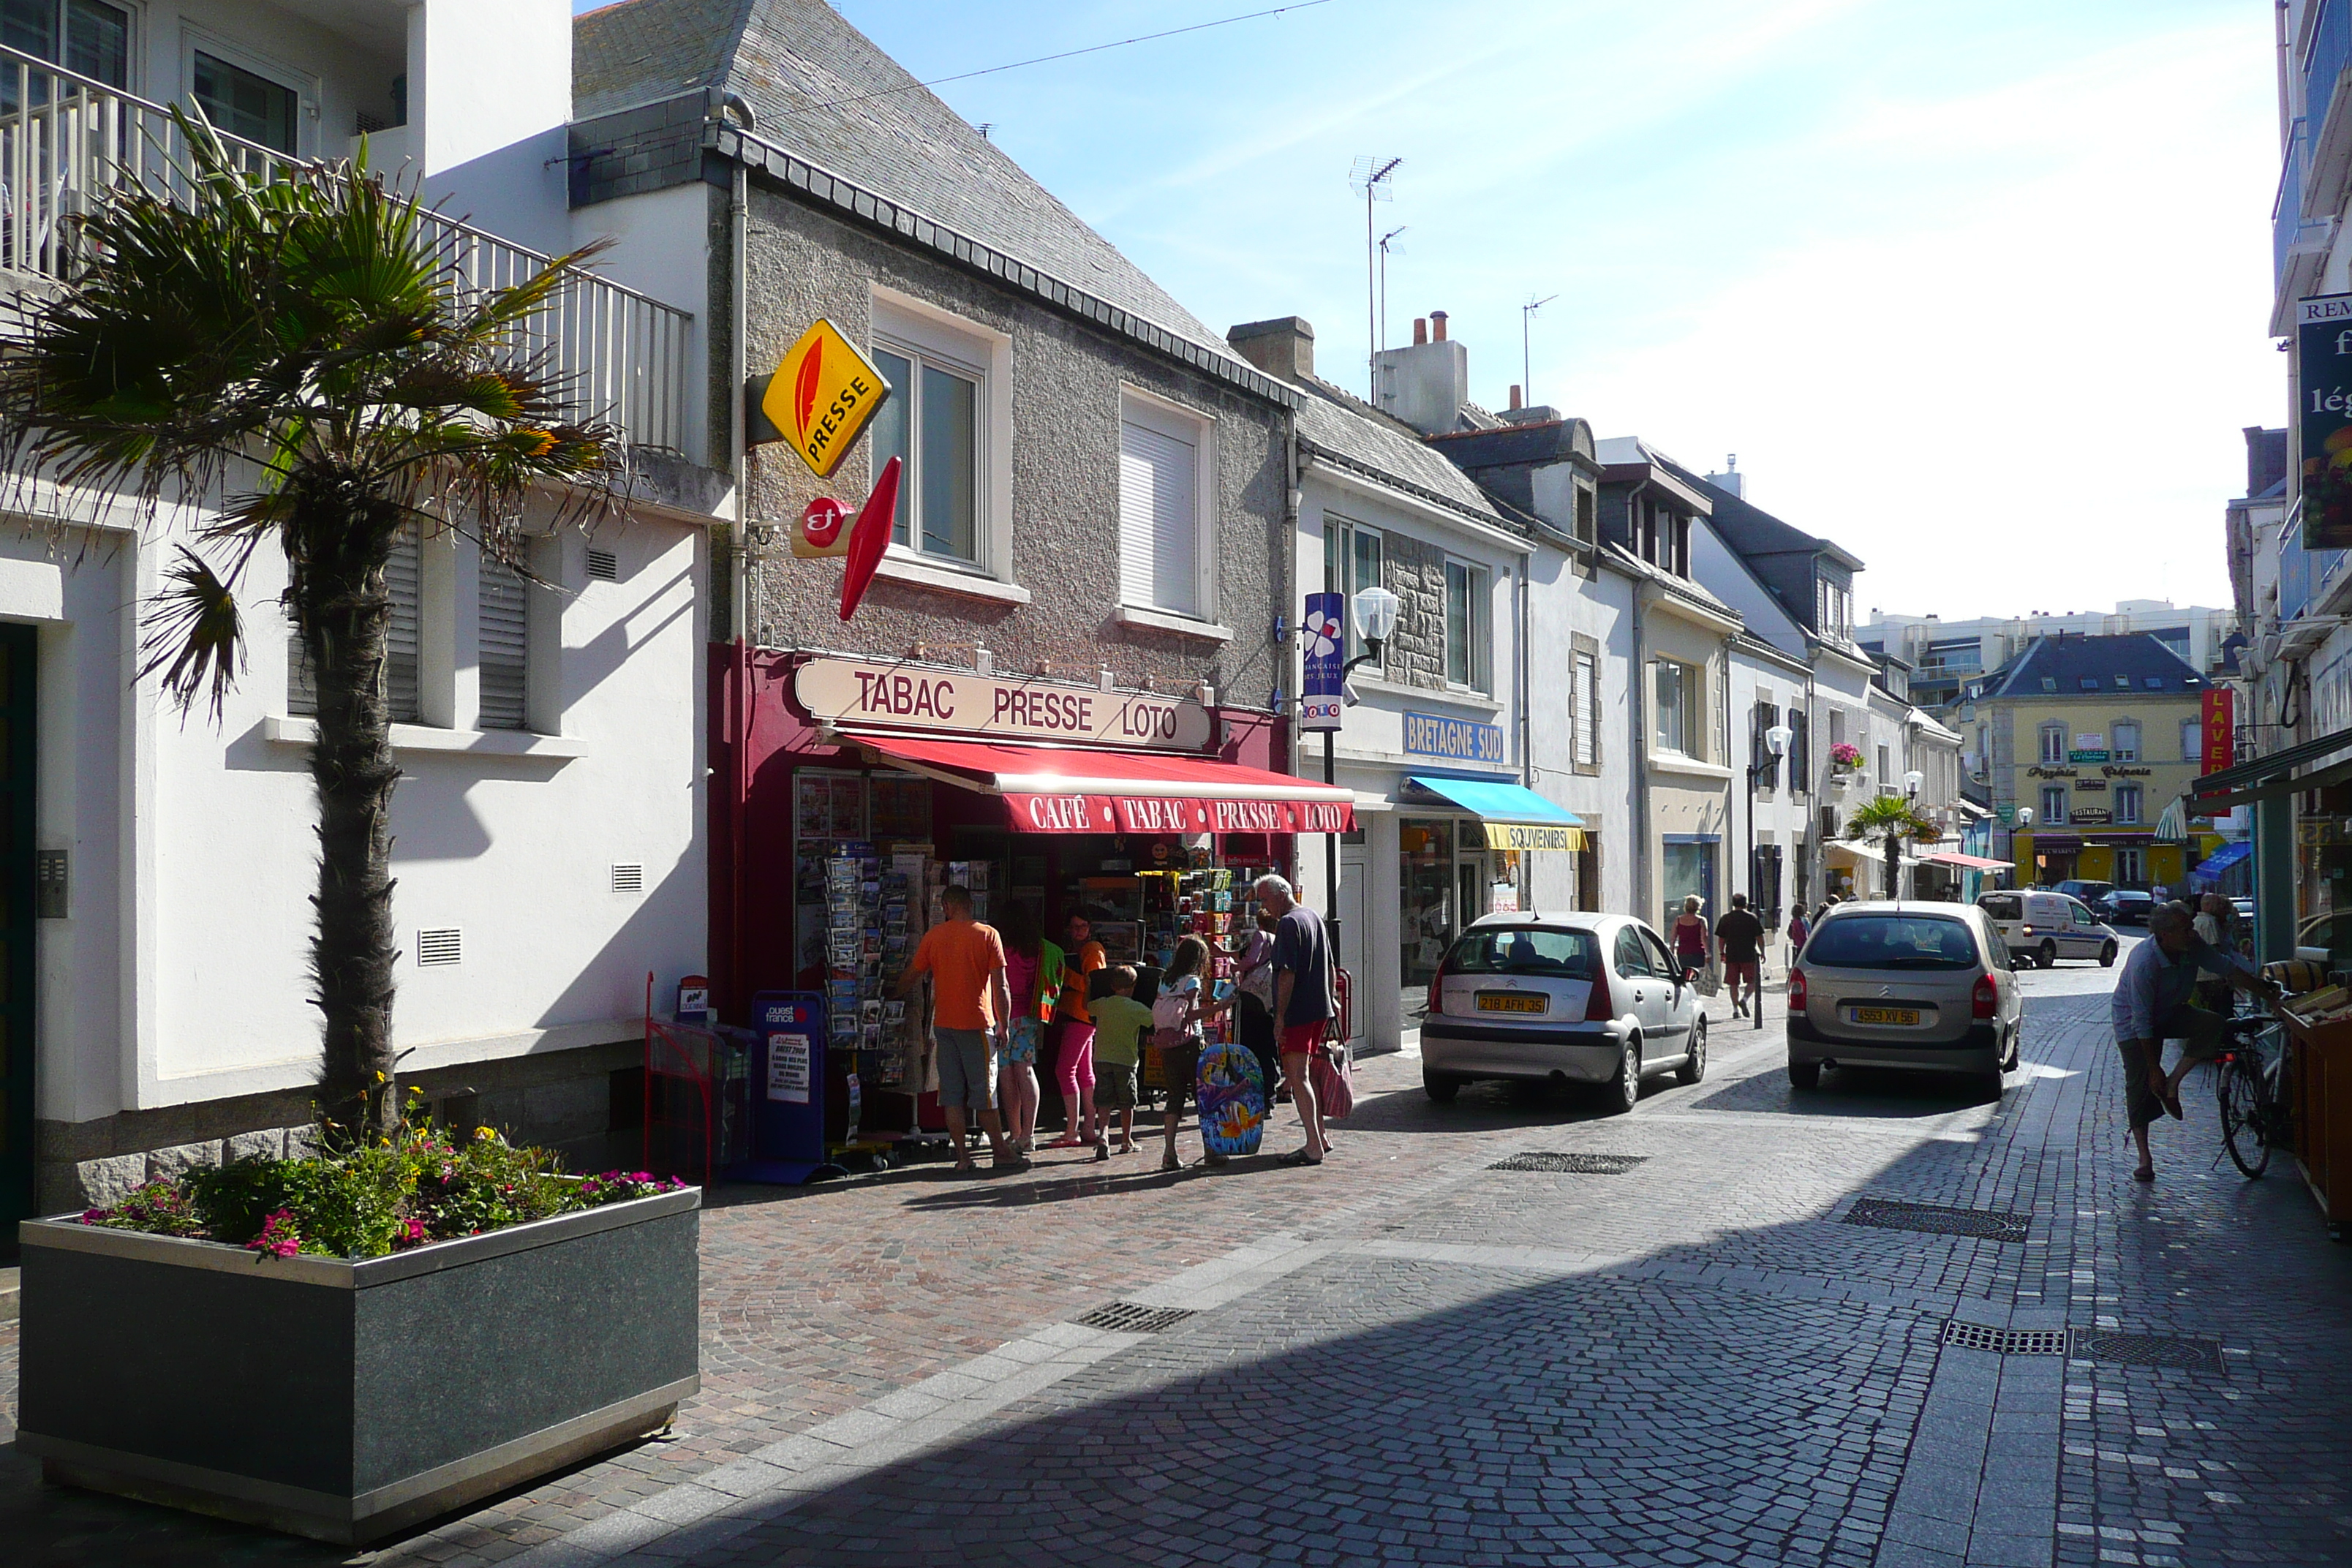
x: 694, y: 1127
x: 783, y: 1092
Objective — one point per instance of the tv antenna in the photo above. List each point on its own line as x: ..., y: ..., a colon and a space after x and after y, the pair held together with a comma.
x: 1526, y: 359
x: 1369, y: 178
x: 1388, y: 243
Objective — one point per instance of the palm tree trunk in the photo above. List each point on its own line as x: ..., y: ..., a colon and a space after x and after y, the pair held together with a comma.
x: 340, y: 538
x: 1894, y: 865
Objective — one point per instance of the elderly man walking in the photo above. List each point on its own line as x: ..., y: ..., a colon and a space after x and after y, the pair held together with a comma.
x: 1303, y: 1004
x: 970, y: 1006
x: 2151, y: 1004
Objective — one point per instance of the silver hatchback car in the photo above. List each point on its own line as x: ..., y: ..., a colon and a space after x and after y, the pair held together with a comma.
x: 1926, y: 986
x: 1568, y: 998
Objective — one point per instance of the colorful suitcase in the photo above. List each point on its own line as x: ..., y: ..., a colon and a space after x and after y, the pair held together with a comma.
x: 1232, y: 1093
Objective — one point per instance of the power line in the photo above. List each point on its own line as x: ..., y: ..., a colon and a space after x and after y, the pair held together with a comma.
x: 1072, y: 54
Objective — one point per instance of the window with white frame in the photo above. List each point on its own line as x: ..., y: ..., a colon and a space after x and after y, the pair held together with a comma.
x: 1161, y: 559
x: 246, y: 103
x: 2128, y: 803
x: 2127, y: 740
x: 88, y: 37
x: 2131, y: 865
x: 1674, y: 684
x: 2053, y: 743
x: 1351, y: 563
x: 1467, y: 614
x: 2192, y: 741
x: 933, y: 423
x: 403, y: 578
x: 2054, y: 805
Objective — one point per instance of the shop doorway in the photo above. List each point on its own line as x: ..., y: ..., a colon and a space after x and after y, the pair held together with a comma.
x: 17, y: 915
x: 1689, y: 867
x: 1355, y: 934
x: 1427, y: 893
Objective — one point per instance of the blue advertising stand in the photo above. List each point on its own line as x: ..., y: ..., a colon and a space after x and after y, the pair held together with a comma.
x: 1323, y: 638
x: 786, y: 1085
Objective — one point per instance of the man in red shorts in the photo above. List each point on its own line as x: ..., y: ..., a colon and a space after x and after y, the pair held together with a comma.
x: 1302, y: 1003
x: 1741, y: 937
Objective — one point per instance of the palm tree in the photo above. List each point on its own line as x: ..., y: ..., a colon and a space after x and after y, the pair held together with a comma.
x: 297, y: 361
x: 1888, y: 821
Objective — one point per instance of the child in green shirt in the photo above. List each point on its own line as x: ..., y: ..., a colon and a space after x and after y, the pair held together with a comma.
x: 1121, y: 1023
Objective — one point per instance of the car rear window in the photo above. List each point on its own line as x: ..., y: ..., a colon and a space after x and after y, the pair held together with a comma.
x: 1891, y: 941
x: 1563, y: 954
x: 2002, y: 908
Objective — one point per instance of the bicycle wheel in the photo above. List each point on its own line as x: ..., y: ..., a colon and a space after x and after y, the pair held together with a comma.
x: 2245, y: 1113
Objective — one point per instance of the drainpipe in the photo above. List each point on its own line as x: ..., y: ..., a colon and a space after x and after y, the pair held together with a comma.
x: 1520, y: 662
x: 1637, y: 705
x: 738, y: 223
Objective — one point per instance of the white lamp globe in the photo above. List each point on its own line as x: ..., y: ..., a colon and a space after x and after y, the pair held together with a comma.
x: 2025, y: 816
x: 1376, y: 613
x: 1776, y: 738
x: 1913, y: 780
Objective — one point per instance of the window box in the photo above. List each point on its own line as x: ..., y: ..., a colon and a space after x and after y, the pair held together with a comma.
x: 347, y: 1399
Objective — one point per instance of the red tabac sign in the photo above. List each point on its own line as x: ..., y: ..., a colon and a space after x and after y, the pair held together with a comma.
x: 2221, y: 729
x: 1171, y: 814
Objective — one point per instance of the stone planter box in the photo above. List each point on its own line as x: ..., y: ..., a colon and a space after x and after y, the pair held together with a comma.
x: 346, y: 1400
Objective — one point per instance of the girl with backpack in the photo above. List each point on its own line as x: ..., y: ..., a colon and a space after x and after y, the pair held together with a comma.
x: 1177, y: 1015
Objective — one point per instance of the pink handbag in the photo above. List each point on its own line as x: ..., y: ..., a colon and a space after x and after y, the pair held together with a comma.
x: 1331, y: 1072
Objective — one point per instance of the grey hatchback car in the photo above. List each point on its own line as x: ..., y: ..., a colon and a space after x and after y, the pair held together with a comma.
x: 1922, y: 986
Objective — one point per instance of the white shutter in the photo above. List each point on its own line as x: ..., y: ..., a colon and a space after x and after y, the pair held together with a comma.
x: 502, y: 648
x: 1159, y: 521
x: 403, y: 580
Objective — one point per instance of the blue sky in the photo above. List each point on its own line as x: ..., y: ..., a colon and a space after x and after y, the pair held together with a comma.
x: 1979, y: 289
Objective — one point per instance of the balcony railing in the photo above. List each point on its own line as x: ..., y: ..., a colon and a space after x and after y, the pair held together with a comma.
x: 2286, y: 211
x: 2324, y: 59
x: 622, y: 356
x: 2304, y: 575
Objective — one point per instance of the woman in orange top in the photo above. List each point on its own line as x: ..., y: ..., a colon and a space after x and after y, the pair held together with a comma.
x: 1083, y: 956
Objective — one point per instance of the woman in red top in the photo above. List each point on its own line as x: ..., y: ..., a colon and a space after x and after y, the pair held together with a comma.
x: 1690, y: 938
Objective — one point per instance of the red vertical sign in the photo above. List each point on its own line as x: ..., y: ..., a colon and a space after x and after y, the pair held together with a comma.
x: 2221, y: 729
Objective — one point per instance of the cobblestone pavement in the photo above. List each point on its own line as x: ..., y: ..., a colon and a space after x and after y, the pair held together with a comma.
x: 1410, y: 1356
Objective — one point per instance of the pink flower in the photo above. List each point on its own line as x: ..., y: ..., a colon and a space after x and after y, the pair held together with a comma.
x: 278, y: 1237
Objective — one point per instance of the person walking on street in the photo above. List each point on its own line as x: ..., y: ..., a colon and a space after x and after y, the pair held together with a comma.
x: 1075, y: 1060
x: 969, y: 1005
x: 1799, y: 928
x: 1032, y: 976
x: 1690, y: 938
x: 1303, y: 1004
x: 1741, y: 936
x: 2151, y: 1006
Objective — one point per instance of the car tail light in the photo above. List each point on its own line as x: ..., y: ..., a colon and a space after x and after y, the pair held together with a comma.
x: 1796, y: 990
x: 1598, y: 1008
x: 1983, y: 997
x: 1437, y: 989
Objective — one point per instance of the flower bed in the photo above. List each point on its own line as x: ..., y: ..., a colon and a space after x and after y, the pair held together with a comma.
x: 421, y: 1185
x: 348, y: 1345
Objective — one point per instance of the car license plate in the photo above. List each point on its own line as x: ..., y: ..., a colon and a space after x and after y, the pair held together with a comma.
x: 1508, y: 1001
x: 1886, y: 1014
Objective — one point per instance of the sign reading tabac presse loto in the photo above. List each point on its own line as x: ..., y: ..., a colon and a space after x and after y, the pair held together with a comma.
x: 2323, y: 354
x: 1323, y: 643
x: 975, y: 707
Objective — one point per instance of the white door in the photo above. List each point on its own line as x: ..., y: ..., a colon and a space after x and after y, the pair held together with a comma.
x: 1355, y: 936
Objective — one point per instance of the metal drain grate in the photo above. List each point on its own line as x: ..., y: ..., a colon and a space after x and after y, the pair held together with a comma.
x: 2146, y: 1350
x: 1990, y: 1225
x: 1581, y: 1164
x: 2005, y: 1342
x: 1127, y: 1318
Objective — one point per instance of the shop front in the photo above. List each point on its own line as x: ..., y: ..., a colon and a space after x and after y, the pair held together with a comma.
x: 2046, y: 859
x: 1464, y: 850
x: 862, y: 789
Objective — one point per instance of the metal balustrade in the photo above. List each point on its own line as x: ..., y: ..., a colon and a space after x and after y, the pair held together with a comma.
x: 64, y: 139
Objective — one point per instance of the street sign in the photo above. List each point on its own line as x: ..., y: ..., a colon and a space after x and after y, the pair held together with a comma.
x: 1322, y: 634
x: 822, y: 395
x: 2323, y: 356
x: 2007, y: 812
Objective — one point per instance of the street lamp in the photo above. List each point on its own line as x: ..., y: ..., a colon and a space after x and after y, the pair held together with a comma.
x: 1911, y: 782
x: 1374, y: 611
x: 2022, y: 817
x: 1776, y: 745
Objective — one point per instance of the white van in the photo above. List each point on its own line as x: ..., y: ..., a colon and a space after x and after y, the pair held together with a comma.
x: 2043, y: 928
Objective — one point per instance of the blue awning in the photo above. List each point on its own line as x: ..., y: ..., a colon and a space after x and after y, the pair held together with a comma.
x: 1516, y: 817
x: 2221, y: 860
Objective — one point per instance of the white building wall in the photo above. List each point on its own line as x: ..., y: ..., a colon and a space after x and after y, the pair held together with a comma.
x: 1563, y: 606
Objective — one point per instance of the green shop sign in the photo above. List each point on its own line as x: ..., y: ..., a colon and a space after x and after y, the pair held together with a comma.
x: 2086, y: 756
x: 2323, y: 353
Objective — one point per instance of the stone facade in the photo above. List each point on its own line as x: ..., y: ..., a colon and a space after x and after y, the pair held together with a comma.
x: 1067, y: 378
x: 1414, y: 571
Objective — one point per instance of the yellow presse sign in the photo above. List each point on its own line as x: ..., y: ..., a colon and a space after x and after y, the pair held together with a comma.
x: 822, y: 395
x: 1532, y: 836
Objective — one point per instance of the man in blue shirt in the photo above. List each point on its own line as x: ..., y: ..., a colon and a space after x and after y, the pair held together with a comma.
x: 2151, y: 1006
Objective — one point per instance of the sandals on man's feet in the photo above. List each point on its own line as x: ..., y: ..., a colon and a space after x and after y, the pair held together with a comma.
x: 1300, y: 1157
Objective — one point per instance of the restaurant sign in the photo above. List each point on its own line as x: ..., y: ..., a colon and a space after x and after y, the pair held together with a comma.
x: 976, y: 706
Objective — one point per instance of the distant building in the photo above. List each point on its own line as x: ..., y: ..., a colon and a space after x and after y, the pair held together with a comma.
x: 1945, y: 655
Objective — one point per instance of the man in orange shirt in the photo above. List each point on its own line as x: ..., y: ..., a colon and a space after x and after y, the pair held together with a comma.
x: 969, y: 1008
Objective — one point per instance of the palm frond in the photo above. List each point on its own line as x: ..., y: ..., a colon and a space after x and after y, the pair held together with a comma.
x: 194, y: 635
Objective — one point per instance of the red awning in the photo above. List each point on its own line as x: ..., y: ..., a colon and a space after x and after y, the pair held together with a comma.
x: 1965, y: 862
x: 1068, y: 790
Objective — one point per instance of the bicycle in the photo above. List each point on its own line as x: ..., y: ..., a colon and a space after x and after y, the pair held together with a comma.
x: 2249, y: 1082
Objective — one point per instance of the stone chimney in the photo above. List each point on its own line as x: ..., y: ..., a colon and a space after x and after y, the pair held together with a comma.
x: 1426, y: 384
x: 1282, y: 347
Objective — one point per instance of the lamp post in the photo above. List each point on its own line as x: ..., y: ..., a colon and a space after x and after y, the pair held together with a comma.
x: 1374, y: 611
x: 2022, y: 817
x: 1911, y: 782
x: 1775, y: 743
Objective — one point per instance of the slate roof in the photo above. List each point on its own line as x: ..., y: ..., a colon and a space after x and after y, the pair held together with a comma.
x: 821, y: 89
x: 1752, y: 531
x: 1688, y: 588
x: 1344, y: 426
x: 2137, y: 656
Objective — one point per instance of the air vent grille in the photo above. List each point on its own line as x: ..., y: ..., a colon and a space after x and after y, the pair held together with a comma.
x: 2005, y: 1342
x: 1127, y: 1318
x: 439, y: 946
x: 603, y: 566
x: 1579, y: 1165
x: 629, y: 880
